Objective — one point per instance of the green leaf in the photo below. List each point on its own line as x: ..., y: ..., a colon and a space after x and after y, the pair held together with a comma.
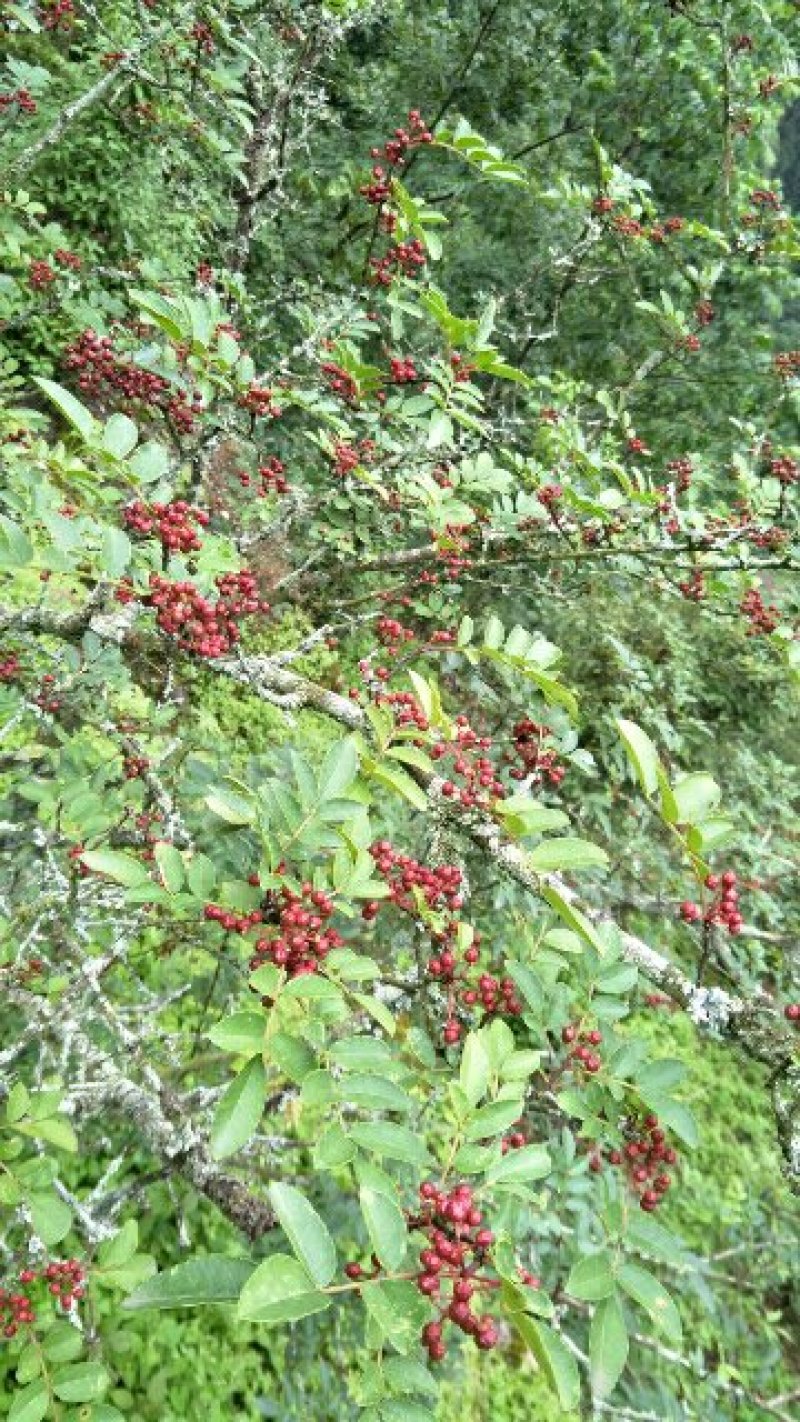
x: 50, y: 1216
x: 306, y: 1232
x: 531, y: 1162
x: 386, y: 1227
x: 574, y: 918
x: 396, y: 779
x: 120, y: 1247
x: 241, y: 1032
x: 641, y: 753
x: 339, y: 769
x: 553, y: 1357
x: 490, y: 1120
x: 206, y: 1279
x: 116, y: 551
x: 120, y: 436
x: 150, y: 462
x: 474, y: 1069
x: 695, y: 795
x: 592, y: 1278
x: 170, y: 866
x: 385, y: 1138
x: 647, y: 1236
x: 650, y: 1294
x: 397, y: 1409
x: 18, y: 1103
x: 73, y: 411
x: 122, y: 868
x: 61, y: 1343
x: 31, y: 1404
x: 280, y: 1291
x: 80, y: 1382
x: 334, y: 1148
x: 375, y: 1092
x: 567, y: 854
x: 608, y: 1346
x: 18, y: 552
x: 234, y: 809
x: 239, y: 1111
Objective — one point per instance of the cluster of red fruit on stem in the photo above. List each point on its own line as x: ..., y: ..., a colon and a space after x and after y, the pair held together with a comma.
x: 102, y: 369
x: 439, y: 888
x: 209, y: 629
x: 24, y: 100
x: 582, y: 1043
x: 497, y: 996
x: 259, y: 401
x: 694, y: 587
x: 135, y: 766
x: 643, y: 1158
x: 538, y: 759
x: 724, y: 907
x: 45, y: 698
x: 64, y: 1280
x: 57, y: 14
x: 403, y: 259
x: 792, y: 1013
x: 40, y: 275
x: 457, y: 1251
x: 762, y: 617
x: 302, y: 939
x: 347, y: 457
x: 172, y: 523
x: 10, y: 667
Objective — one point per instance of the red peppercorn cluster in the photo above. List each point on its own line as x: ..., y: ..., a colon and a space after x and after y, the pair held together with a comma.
x: 786, y: 364
x: 273, y: 478
x: 395, y: 149
x: 785, y: 470
x: 347, y: 457
x: 762, y: 617
x: 340, y: 381
x: 704, y: 313
x: 681, y: 471
x: 102, y: 369
x: 468, y: 985
x: 583, y: 1043
x: 694, y: 587
x: 723, y: 909
x: 481, y: 783
x: 10, y: 667
x: 202, y: 36
x: 462, y: 368
x: 57, y: 14
x: 64, y: 1280
x: 172, y: 523
x: 210, y: 629
x: 457, y: 1250
x: 24, y: 100
x: 135, y: 766
x: 16, y: 1309
x: 45, y: 698
x: 403, y: 259
x: 76, y: 862
x: 792, y: 1013
x: 65, y: 258
x: 549, y: 495
x: 402, y: 370
x: 540, y: 760
x: 40, y: 275
x: 259, y: 401
x: 643, y: 1158
x: 302, y: 939
x: 690, y: 343
x: 439, y: 887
